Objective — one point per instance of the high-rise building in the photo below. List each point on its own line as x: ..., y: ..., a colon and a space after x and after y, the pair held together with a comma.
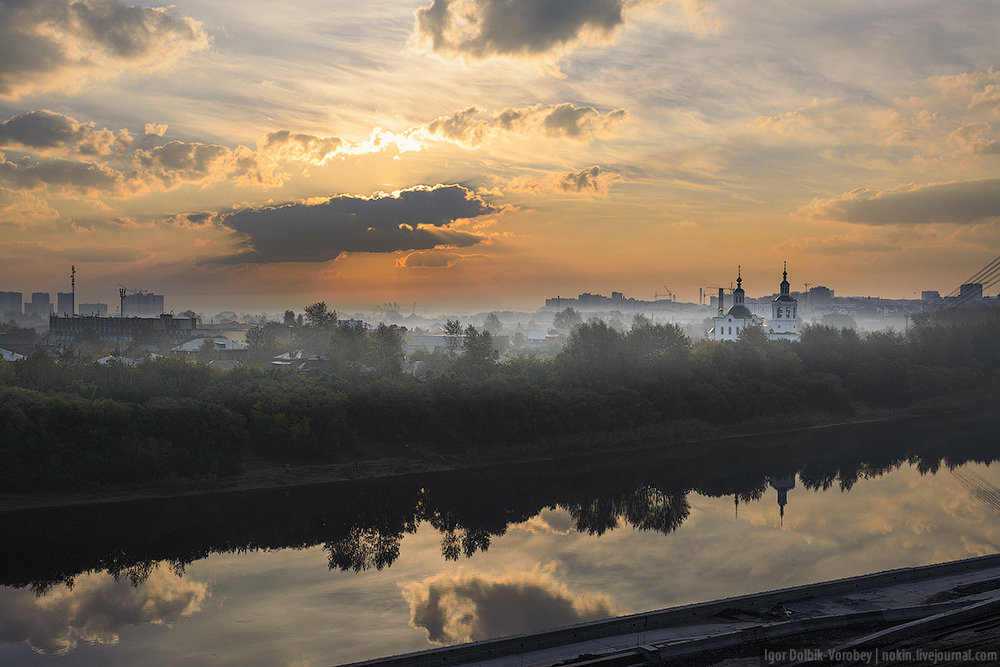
x: 11, y: 304
x: 40, y: 305
x: 970, y: 292
x: 64, y: 303
x: 142, y: 304
x: 820, y: 298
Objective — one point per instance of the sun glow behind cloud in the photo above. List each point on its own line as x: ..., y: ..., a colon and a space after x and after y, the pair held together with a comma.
x: 715, y: 134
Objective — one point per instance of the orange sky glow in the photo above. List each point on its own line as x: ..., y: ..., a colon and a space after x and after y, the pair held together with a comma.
x: 487, y: 154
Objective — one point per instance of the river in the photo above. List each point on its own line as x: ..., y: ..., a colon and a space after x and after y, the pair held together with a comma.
x: 357, y: 570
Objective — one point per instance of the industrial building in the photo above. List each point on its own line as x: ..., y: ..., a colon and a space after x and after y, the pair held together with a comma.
x: 121, y: 329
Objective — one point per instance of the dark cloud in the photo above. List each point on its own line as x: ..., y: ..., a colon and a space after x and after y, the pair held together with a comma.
x: 60, y: 43
x: 958, y: 202
x: 62, y: 175
x: 454, y: 608
x: 179, y: 162
x: 415, y: 219
x: 481, y: 29
x: 46, y: 129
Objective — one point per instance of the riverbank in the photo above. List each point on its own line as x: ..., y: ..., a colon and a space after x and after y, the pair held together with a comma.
x: 259, y: 474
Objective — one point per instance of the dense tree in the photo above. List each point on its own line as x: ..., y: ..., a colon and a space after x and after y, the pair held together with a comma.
x: 567, y: 320
x: 318, y: 315
x: 453, y: 335
x: 385, y: 351
x: 492, y: 324
x: 261, y: 344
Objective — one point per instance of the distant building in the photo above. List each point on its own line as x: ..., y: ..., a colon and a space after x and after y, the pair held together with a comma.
x: 11, y: 303
x: 64, y: 303
x: 970, y: 292
x: 820, y: 298
x: 39, y: 305
x: 121, y: 329
x: 930, y: 297
x: 729, y: 325
x: 93, y: 309
x: 142, y: 304
x: 221, y: 348
x: 784, y: 324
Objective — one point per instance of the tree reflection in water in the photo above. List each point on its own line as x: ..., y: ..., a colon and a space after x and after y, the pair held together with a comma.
x: 361, y: 523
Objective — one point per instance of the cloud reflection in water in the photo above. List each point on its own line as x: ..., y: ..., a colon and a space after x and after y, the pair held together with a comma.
x: 463, y: 606
x: 94, y: 609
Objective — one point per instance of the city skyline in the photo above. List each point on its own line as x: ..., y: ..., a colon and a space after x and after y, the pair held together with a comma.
x: 476, y: 154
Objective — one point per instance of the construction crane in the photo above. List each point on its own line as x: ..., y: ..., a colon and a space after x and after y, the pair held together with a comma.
x: 668, y: 294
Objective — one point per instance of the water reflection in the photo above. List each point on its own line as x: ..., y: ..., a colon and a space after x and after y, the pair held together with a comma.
x: 463, y: 606
x: 95, y: 608
x: 370, y: 568
x: 361, y: 524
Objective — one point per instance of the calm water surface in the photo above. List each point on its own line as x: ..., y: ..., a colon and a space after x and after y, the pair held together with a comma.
x: 321, y: 576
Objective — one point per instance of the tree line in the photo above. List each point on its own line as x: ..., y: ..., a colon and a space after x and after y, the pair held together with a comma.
x: 70, y: 425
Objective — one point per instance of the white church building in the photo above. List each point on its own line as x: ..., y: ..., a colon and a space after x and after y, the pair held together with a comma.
x: 783, y: 324
x: 729, y: 325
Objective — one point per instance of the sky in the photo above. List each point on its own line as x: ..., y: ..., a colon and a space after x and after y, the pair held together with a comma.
x: 487, y: 154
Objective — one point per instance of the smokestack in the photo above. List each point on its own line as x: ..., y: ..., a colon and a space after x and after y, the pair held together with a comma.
x: 721, y: 296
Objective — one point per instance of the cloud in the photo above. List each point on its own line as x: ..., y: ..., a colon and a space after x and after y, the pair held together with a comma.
x: 480, y: 29
x: 971, y: 138
x: 976, y: 89
x: 65, y: 43
x: 94, y: 610
x: 26, y: 251
x: 48, y: 130
x: 467, y: 128
x: 62, y: 176
x: 958, y: 202
x: 466, y: 606
x: 156, y: 129
x: 418, y: 218
x: 179, y: 162
x: 19, y: 208
x: 429, y: 259
x: 557, y: 121
x: 590, y: 181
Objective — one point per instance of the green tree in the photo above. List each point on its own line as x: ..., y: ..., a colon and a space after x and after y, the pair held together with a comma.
x: 348, y: 347
x: 385, y: 351
x: 261, y: 344
x: 479, y: 354
x: 318, y: 315
x: 493, y: 325
x: 289, y: 318
x: 567, y: 320
x: 453, y: 335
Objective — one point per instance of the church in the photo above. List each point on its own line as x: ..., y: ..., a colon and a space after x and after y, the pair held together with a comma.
x: 729, y: 325
x: 783, y: 324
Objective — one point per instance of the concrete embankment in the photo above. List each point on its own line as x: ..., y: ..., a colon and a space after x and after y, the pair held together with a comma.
x: 908, y: 600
